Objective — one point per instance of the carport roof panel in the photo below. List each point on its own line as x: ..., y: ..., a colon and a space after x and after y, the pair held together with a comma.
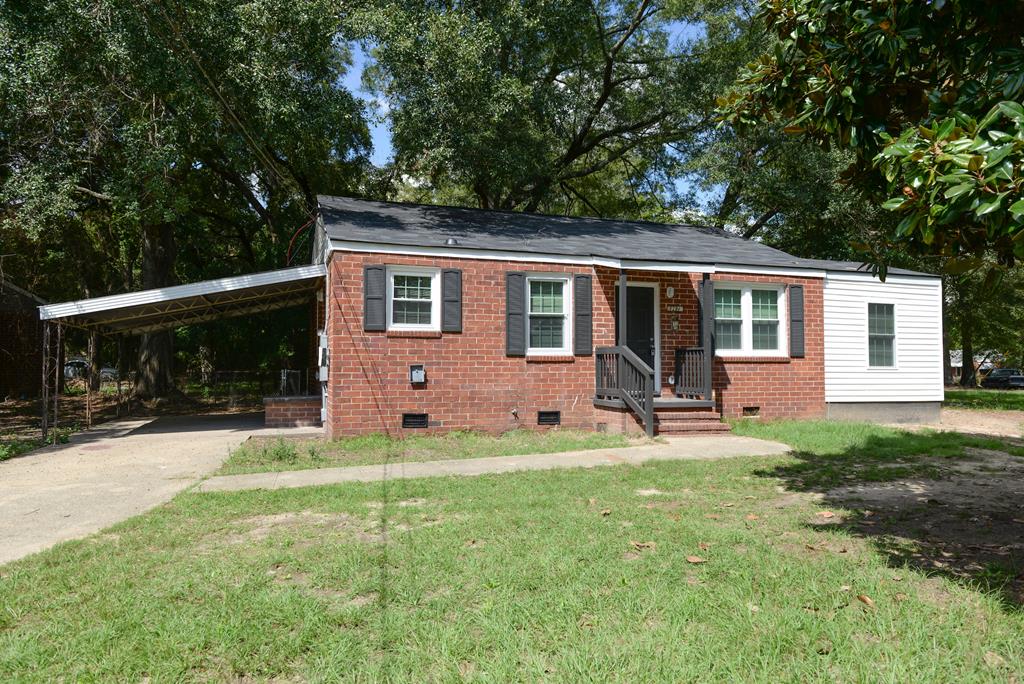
x: 166, y: 307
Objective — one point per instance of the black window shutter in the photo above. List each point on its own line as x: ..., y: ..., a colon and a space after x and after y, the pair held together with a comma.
x: 515, y: 314
x: 583, y: 313
x: 451, y: 300
x: 796, y: 321
x: 374, y: 294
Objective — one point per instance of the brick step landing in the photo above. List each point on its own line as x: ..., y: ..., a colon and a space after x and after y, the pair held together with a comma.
x: 688, y: 421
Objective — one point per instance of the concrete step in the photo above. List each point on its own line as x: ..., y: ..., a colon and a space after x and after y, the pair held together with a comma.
x: 691, y: 427
x: 687, y: 415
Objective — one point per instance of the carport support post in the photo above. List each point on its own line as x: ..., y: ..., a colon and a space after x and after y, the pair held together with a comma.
x: 57, y: 370
x: 46, y: 380
x: 88, y: 386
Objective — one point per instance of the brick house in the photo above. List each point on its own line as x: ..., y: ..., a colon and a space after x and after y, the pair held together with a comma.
x: 447, y: 318
x: 441, y: 318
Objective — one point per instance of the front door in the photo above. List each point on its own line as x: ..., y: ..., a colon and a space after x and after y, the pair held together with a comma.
x: 640, y: 330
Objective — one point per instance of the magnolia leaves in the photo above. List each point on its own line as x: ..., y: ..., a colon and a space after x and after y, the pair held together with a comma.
x: 961, y: 181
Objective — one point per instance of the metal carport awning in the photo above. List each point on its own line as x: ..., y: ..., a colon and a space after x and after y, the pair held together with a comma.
x: 147, y: 311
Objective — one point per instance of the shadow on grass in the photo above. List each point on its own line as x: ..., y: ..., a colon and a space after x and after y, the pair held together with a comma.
x: 945, y: 503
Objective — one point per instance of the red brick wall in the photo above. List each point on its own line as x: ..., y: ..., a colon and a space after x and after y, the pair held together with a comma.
x: 291, y: 411
x: 779, y: 387
x: 471, y: 383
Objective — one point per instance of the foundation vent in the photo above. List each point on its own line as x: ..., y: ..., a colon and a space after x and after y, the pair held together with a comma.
x: 414, y: 420
x: 549, y: 418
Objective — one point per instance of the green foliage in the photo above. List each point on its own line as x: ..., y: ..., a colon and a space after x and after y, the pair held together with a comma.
x: 917, y: 89
x: 960, y: 183
x: 154, y: 143
x: 517, y: 105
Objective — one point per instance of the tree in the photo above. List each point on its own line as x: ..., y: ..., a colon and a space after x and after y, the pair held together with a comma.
x: 205, y: 124
x: 922, y: 93
x: 786, y: 192
x: 517, y: 105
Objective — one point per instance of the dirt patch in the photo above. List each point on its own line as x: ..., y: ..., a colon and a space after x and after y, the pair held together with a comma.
x: 979, y: 422
x: 406, y: 503
x: 966, y: 523
x: 312, y: 526
x: 284, y: 576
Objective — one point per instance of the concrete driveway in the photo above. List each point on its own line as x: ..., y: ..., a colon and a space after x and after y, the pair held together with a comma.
x: 110, y: 473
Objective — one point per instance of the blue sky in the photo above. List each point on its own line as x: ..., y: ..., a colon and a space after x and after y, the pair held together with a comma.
x: 380, y: 135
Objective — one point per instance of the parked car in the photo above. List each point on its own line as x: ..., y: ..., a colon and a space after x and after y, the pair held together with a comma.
x: 78, y: 367
x: 75, y: 367
x: 1004, y: 378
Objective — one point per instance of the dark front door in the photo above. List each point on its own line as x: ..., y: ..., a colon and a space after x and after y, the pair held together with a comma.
x: 640, y: 322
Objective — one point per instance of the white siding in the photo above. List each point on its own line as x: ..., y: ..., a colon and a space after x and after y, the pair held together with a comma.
x: 917, y: 375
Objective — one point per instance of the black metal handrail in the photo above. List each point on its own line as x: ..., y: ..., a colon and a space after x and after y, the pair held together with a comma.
x: 621, y: 374
x: 693, y: 373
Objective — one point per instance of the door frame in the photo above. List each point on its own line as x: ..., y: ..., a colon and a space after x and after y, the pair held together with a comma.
x: 656, y: 286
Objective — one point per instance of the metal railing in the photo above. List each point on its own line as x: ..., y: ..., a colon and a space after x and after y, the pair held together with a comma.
x: 621, y: 374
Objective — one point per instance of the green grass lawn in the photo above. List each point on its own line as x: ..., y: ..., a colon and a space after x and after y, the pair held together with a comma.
x: 1001, y: 400
x: 726, y: 570
x: 266, y: 455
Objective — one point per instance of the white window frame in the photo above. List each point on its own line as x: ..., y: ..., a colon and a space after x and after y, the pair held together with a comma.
x: 747, y: 317
x: 435, y: 297
x: 895, y: 337
x: 567, y: 314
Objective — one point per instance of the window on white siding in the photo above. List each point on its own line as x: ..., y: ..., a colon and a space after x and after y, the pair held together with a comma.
x: 548, y: 330
x: 413, y: 298
x: 881, y: 335
x: 748, y: 320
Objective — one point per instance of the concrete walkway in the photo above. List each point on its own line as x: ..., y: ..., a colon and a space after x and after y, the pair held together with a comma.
x: 677, y: 449
x: 110, y: 473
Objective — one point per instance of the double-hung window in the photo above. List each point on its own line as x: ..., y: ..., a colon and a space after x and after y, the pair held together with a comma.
x: 728, y: 319
x: 413, y: 298
x: 548, y: 329
x: 748, y: 320
x: 881, y: 335
x: 764, y: 314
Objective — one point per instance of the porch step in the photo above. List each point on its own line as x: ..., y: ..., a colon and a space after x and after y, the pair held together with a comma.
x: 684, y: 422
x: 691, y: 428
x: 687, y: 415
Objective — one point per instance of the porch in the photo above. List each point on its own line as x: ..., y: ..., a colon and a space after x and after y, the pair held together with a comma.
x: 630, y: 376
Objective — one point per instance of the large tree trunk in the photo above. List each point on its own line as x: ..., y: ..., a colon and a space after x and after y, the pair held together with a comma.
x: 154, y: 378
x: 94, y: 361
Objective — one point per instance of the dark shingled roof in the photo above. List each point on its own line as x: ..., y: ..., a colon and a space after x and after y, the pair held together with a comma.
x: 424, y: 225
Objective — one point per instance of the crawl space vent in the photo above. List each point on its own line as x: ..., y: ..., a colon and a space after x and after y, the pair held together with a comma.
x: 549, y: 418
x: 751, y: 411
x: 414, y: 420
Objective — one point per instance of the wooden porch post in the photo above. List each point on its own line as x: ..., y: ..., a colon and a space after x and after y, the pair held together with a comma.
x: 708, y: 325
x: 622, y: 308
